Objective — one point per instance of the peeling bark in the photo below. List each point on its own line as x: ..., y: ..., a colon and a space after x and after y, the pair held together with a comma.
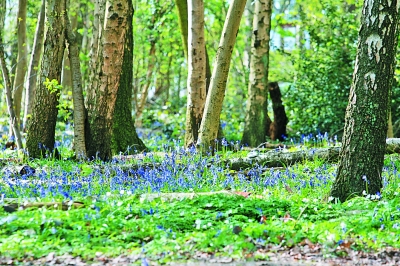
x: 125, y: 139
x: 111, y: 19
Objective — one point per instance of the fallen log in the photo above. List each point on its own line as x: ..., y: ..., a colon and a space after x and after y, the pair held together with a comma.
x: 284, y: 157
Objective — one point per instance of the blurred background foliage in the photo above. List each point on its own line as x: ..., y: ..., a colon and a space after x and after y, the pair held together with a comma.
x: 313, y: 48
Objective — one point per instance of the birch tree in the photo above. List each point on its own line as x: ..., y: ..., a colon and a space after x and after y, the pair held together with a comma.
x: 210, y: 122
x: 107, y: 59
x: 257, y: 121
x: 196, y: 84
x: 363, y: 145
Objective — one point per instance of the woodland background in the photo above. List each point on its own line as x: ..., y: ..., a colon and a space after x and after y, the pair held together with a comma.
x: 312, y: 53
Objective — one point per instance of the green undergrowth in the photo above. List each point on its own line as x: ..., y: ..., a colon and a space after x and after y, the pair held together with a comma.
x: 223, y: 224
x: 181, y: 203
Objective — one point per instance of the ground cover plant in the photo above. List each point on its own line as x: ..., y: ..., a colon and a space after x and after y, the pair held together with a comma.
x: 176, y: 204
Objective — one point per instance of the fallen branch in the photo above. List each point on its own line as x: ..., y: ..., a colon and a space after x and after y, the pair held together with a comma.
x: 283, y: 157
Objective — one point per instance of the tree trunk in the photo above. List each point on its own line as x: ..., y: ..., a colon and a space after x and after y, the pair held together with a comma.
x: 277, y: 129
x: 34, y: 65
x: 21, y: 60
x: 145, y: 90
x: 390, y: 125
x: 362, y: 153
x: 105, y: 81
x: 42, y: 126
x: 215, y: 96
x: 182, y: 6
x: 125, y: 138
x: 196, y: 84
x: 7, y: 80
x: 257, y: 118
x: 183, y: 22
x: 77, y: 91
x: 66, y: 76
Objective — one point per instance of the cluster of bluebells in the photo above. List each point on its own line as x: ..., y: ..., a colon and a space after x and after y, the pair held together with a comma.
x: 181, y: 170
x: 316, y: 140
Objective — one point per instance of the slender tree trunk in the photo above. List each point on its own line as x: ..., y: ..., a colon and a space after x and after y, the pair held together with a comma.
x: 34, y: 65
x: 215, y: 96
x: 196, y: 84
x: 107, y: 69
x: 145, y: 90
x: 390, y: 125
x: 21, y: 60
x: 182, y: 6
x: 41, y: 129
x: 125, y: 138
x: 7, y: 80
x: 248, y: 21
x: 363, y: 145
x: 77, y: 91
x: 257, y: 119
x: 66, y: 76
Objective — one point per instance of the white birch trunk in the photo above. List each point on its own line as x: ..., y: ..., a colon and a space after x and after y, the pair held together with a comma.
x: 216, y: 93
x: 196, y: 83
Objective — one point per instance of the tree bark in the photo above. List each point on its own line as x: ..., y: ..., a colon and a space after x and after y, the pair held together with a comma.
x: 41, y: 129
x: 77, y: 91
x: 107, y: 69
x: 362, y: 153
x: 7, y: 80
x: 34, y: 65
x: 196, y: 84
x: 215, y: 96
x: 21, y: 60
x: 125, y: 138
x: 257, y: 119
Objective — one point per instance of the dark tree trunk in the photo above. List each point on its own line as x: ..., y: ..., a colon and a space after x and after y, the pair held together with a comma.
x: 363, y: 145
x: 125, y: 138
x: 277, y: 129
x: 41, y: 128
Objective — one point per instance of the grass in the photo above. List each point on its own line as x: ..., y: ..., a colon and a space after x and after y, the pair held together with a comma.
x: 262, y: 207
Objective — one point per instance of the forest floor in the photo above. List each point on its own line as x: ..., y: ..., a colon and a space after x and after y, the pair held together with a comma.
x: 278, y: 256
x: 181, y: 208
